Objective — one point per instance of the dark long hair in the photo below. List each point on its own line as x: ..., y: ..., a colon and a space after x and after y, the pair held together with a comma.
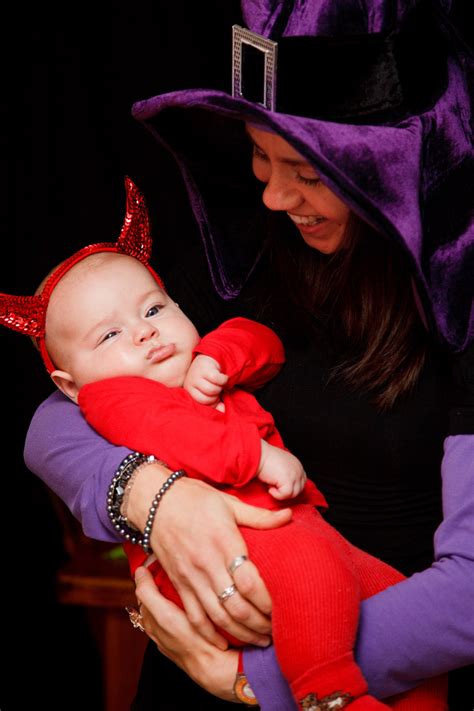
x: 361, y: 295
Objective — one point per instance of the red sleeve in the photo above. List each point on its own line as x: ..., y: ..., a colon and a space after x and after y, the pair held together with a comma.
x: 150, y: 418
x: 248, y: 352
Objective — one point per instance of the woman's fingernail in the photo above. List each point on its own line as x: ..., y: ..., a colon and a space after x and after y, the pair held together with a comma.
x: 139, y: 573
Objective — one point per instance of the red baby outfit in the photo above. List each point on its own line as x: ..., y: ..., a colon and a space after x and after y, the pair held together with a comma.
x: 315, y: 577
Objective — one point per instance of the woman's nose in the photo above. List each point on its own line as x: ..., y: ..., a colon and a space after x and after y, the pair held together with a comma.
x: 144, y: 332
x: 281, y: 194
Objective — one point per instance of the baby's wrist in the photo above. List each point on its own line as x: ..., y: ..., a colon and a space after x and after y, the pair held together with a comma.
x: 263, y: 453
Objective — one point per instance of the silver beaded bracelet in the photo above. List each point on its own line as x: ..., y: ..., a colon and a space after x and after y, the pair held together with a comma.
x: 145, y: 542
x: 116, y: 493
x: 115, y: 499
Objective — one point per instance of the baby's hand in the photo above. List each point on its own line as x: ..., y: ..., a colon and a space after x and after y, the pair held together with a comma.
x: 204, y: 380
x: 282, y: 470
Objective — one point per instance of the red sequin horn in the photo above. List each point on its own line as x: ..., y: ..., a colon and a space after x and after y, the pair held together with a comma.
x: 27, y: 314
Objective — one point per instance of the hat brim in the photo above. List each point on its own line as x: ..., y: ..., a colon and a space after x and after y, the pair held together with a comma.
x: 395, y: 177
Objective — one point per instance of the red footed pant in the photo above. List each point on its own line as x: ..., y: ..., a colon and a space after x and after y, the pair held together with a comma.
x: 317, y: 580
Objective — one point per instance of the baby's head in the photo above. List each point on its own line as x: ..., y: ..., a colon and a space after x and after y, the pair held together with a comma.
x: 108, y: 317
x: 104, y: 312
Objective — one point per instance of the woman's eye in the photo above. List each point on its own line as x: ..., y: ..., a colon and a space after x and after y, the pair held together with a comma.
x: 308, y: 181
x: 153, y: 311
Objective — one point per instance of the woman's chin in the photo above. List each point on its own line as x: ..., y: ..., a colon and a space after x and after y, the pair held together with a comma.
x: 325, y: 243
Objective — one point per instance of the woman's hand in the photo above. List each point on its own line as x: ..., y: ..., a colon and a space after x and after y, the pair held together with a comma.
x: 195, y: 538
x: 169, y: 628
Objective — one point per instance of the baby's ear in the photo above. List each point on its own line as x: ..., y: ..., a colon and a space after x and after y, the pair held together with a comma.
x: 65, y: 383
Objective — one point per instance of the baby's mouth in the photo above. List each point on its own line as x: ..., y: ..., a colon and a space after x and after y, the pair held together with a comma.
x: 156, y: 355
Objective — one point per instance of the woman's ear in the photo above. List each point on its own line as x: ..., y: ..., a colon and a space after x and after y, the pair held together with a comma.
x: 65, y: 383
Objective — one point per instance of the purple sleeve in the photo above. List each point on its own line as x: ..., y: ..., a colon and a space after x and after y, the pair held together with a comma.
x: 425, y: 625
x: 75, y: 462
x: 420, y: 627
x: 267, y: 682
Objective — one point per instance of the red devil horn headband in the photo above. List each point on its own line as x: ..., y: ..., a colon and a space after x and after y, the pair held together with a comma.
x: 27, y: 314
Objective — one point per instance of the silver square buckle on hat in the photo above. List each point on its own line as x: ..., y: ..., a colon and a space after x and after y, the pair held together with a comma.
x: 240, y: 36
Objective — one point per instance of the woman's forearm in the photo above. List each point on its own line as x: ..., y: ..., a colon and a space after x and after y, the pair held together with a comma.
x: 425, y: 625
x: 75, y: 462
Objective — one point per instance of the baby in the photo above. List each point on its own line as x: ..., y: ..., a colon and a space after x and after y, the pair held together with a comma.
x: 116, y: 344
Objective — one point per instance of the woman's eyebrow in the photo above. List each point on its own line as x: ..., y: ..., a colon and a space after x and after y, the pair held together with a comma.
x: 295, y: 162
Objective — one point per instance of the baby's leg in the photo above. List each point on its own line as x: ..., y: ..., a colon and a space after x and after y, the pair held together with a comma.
x: 316, y: 596
x: 374, y: 575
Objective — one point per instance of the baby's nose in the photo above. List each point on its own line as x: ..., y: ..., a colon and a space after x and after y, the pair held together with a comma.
x: 145, y: 332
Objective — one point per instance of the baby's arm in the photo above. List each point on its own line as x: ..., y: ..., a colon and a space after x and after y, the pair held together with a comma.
x: 153, y: 419
x: 282, y: 470
x: 204, y: 380
x: 238, y: 352
x: 248, y: 352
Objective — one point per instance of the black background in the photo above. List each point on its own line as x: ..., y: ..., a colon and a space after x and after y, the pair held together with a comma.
x: 69, y: 77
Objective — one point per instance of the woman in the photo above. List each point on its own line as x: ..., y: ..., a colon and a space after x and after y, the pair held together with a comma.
x: 347, y: 271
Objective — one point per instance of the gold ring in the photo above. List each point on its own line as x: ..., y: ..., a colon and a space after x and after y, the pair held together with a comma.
x: 135, y: 618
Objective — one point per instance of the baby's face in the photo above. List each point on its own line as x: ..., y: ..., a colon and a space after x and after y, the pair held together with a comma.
x: 108, y: 317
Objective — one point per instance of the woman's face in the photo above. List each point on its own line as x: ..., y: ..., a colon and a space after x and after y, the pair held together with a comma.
x: 293, y: 186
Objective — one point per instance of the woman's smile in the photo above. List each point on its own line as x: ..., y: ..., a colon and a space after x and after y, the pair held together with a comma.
x: 306, y: 221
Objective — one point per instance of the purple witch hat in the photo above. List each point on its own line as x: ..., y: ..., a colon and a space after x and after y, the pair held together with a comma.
x: 375, y: 95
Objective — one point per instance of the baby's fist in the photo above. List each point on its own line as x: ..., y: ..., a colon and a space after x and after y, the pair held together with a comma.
x: 282, y: 471
x: 204, y: 380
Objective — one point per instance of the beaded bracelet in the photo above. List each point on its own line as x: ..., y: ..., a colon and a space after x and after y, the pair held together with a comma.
x: 127, y: 492
x: 145, y: 542
x: 116, y: 493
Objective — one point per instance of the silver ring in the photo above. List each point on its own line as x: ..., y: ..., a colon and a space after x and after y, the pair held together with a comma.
x: 227, y: 593
x: 236, y: 563
x: 135, y: 618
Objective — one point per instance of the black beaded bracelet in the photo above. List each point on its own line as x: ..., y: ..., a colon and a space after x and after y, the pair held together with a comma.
x: 116, y: 493
x: 145, y: 542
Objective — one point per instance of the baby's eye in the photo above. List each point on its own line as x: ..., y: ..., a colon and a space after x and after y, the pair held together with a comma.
x: 153, y: 311
x: 109, y: 335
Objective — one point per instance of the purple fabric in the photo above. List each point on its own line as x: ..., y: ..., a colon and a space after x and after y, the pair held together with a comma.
x: 421, y: 627
x: 79, y: 467
x: 267, y: 682
x: 320, y: 17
